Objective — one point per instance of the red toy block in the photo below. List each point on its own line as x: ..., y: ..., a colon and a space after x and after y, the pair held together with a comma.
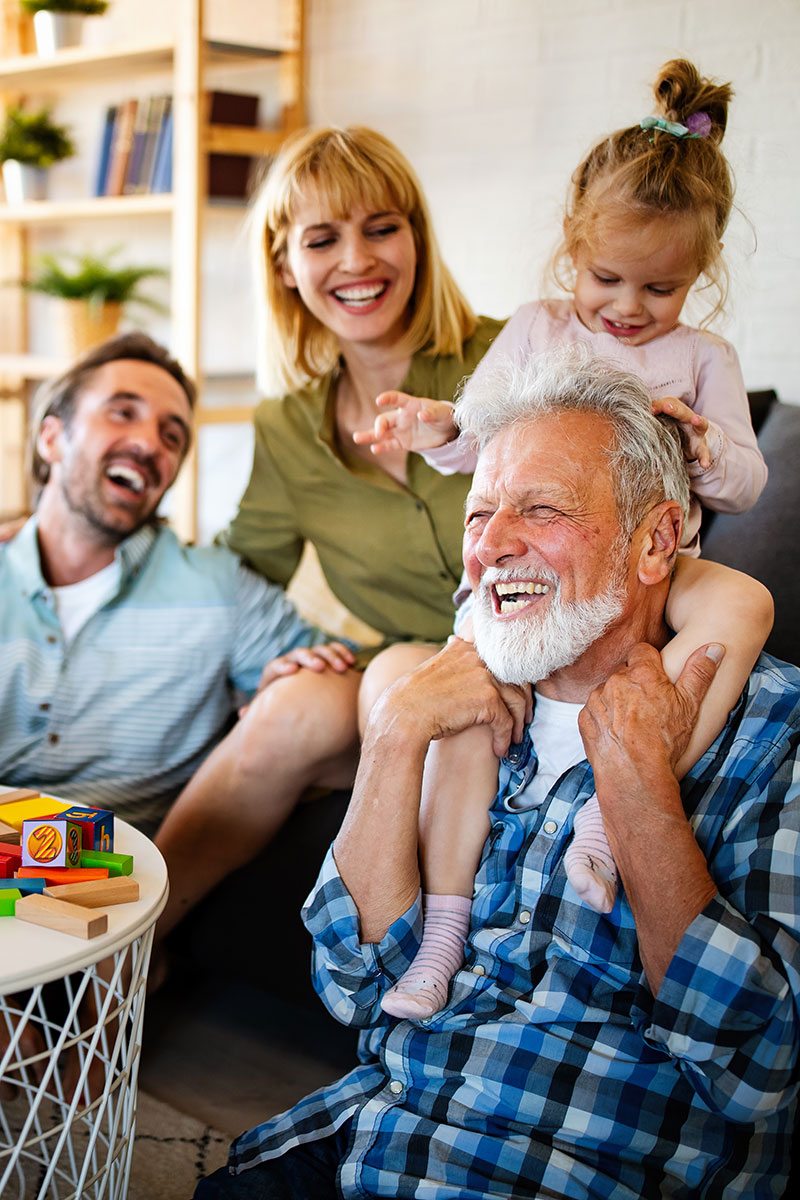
x: 7, y: 867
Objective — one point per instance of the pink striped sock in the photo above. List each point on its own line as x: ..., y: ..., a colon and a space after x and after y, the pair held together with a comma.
x: 422, y: 990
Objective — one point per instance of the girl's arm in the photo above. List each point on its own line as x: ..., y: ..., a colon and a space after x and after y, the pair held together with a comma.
x: 711, y: 603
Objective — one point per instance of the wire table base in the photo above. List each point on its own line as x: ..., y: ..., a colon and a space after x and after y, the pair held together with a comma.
x: 70, y: 1051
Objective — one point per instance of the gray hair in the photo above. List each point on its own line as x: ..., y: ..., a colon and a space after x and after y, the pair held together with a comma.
x: 646, y: 458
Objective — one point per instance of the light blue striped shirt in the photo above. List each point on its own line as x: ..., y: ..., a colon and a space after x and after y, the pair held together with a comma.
x: 125, y: 713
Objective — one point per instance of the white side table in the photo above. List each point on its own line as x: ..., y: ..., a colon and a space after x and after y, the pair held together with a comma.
x: 70, y: 1042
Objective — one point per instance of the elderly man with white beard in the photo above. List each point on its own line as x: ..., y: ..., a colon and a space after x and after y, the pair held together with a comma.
x: 649, y: 1051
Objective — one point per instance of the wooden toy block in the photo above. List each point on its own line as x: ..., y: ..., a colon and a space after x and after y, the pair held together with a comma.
x: 55, y: 875
x: 97, y: 825
x: 58, y: 914
x: 23, y: 810
x: 8, y: 834
x: 24, y: 885
x: 51, y: 842
x: 97, y: 893
x: 7, y: 850
x: 118, y: 864
x: 8, y: 901
x: 19, y: 794
x: 7, y: 867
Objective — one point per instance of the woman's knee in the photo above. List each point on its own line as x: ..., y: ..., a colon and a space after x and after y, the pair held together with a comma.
x: 387, y: 667
x: 304, y: 714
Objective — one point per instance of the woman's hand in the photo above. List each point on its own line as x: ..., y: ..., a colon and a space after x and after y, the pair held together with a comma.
x: 693, y: 426
x: 413, y: 424
x: 330, y: 655
x: 10, y: 529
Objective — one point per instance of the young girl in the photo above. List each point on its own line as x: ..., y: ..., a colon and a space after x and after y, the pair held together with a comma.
x: 645, y: 217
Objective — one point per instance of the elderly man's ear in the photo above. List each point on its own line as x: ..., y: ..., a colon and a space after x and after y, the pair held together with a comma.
x: 660, y: 538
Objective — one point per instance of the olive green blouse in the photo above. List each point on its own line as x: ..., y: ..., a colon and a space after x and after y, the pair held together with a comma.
x: 390, y: 553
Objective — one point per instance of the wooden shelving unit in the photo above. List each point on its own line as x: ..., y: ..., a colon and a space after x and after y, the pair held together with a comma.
x: 188, y: 58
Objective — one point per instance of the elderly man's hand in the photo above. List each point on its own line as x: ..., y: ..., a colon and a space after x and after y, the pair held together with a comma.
x: 638, y: 713
x: 454, y: 691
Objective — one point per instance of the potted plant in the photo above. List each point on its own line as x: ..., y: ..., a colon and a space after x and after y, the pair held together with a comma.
x: 92, y: 291
x: 30, y: 142
x: 59, y: 23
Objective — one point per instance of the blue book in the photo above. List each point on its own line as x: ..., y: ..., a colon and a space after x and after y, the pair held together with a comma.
x: 162, y: 168
x: 105, y: 151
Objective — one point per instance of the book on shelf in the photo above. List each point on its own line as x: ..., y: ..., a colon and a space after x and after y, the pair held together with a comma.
x: 121, y: 146
x: 161, y: 175
x: 134, y: 167
x: 104, y: 157
x: 155, y: 117
x: 229, y: 174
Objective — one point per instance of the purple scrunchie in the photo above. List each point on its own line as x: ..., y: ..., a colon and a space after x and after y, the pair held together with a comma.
x: 699, y: 124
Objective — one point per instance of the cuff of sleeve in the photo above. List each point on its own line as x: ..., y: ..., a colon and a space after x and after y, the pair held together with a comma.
x: 718, y: 990
x: 715, y: 443
x: 331, y: 917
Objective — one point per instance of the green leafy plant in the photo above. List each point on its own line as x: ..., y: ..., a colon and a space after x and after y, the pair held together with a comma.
x: 93, y: 278
x: 89, y: 7
x: 33, y: 138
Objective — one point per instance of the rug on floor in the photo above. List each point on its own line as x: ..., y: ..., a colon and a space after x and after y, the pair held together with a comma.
x: 171, y: 1154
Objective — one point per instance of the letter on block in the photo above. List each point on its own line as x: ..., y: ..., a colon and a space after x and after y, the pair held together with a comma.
x: 58, y: 914
x: 51, y: 842
x: 96, y: 893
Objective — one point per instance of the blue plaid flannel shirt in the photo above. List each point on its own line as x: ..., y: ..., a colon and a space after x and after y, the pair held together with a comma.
x: 553, y: 1071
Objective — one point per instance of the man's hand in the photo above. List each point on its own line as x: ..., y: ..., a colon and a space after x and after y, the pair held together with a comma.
x: 413, y: 424
x: 694, y: 428
x: 635, y: 728
x: 452, y: 691
x: 334, y: 656
x: 638, y: 714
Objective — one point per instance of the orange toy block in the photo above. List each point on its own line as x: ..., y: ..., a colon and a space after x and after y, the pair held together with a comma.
x: 97, y: 893
x: 58, y: 914
x: 16, y: 812
x: 55, y: 875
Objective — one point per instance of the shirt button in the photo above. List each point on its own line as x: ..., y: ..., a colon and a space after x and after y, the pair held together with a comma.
x: 52, y: 738
x: 45, y: 706
x: 395, y: 1087
x: 550, y: 826
x: 478, y: 969
x: 524, y: 917
x: 52, y: 638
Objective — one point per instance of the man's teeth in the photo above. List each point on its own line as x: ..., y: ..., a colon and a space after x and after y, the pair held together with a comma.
x: 505, y: 590
x: 360, y: 296
x: 127, y: 477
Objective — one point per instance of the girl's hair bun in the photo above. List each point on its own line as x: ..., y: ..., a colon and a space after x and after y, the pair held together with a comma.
x: 681, y: 91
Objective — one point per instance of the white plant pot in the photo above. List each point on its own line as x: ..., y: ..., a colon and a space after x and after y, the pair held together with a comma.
x: 23, y: 182
x: 57, y: 30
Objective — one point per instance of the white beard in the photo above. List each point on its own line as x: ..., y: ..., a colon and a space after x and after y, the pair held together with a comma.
x: 534, y: 645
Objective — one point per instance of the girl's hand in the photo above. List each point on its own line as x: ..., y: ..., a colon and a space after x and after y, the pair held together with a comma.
x: 693, y: 426
x: 333, y: 655
x: 414, y: 424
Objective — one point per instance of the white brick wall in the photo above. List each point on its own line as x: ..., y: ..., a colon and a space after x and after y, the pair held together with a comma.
x: 495, y: 102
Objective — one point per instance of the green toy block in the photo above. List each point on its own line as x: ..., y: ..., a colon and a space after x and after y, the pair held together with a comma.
x: 8, y: 901
x: 118, y: 864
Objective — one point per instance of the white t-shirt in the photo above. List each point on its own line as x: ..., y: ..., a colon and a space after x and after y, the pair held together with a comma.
x: 559, y: 745
x: 76, y: 602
